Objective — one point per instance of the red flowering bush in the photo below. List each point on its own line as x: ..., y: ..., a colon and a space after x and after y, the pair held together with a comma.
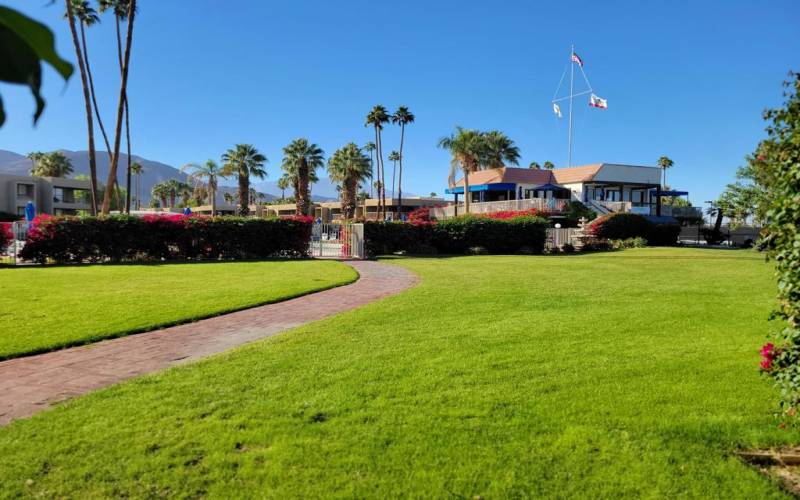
x: 6, y: 237
x: 768, y: 354
x: 164, y: 237
x: 511, y: 214
x: 420, y: 215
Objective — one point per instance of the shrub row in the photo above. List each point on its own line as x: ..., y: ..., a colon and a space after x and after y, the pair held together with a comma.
x: 5, y: 236
x: 623, y: 226
x: 167, y: 237
x: 457, y: 236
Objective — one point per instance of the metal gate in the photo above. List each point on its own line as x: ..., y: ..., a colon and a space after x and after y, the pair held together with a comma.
x: 337, y: 241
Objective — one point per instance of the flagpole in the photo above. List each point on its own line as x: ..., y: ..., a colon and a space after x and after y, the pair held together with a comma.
x: 571, y: 78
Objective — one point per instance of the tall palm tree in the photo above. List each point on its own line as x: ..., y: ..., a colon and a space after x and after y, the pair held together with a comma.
x: 120, y: 8
x: 664, y: 163
x: 229, y: 198
x: 283, y: 184
x: 161, y: 192
x: 370, y: 147
x: 208, y: 173
x: 394, y: 157
x: 349, y: 166
x: 87, y: 17
x: 137, y: 169
x: 123, y: 89
x: 376, y: 118
x: 499, y: 150
x: 244, y: 161
x: 467, y: 148
x: 401, y: 117
x: 534, y: 165
x: 548, y: 165
x: 87, y: 101
x: 35, y: 157
x: 53, y: 164
x: 301, y: 159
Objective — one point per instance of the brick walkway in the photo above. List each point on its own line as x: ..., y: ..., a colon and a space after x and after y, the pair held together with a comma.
x: 31, y: 384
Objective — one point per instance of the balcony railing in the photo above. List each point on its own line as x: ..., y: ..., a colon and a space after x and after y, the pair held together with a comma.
x: 551, y: 205
x: 666, y: 210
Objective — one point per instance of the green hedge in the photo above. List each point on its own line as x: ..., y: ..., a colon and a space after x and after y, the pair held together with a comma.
x: 457, y: 236
x: 167, y: 237
x: 623, y: 226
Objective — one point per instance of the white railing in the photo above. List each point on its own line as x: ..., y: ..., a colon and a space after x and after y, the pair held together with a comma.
x: 666, y: 210
x: 488, y: 207
x: 338, y: 240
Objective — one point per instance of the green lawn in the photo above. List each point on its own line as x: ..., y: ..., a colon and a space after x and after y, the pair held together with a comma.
x: 47, y: 308
x: 630, y: 373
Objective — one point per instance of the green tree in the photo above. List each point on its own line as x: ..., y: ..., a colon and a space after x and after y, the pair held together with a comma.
x: 370, y: 148
x: 401, y: 117
x: 548, y: 165
x: 35, y: 157
x: 664, y: 163
x: 53, y: 164
x: 394, y: 157
x: 301, y: 159
x: 160, y: 192
x: 466, y: 148
x: 137, y: 170
x: 24, y: 45
x: 499, y: 150
x: 230, y: 198
x: 244, y: 161
x: 534, y: 165
x: 376, y: 118
x: 349, y: 166
x: 283, y: 184
x: 208, y: 174
x: 433, y: 194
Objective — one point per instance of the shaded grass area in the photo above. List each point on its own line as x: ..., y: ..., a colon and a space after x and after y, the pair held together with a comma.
x: 46, y: 308
x: 623, y: 374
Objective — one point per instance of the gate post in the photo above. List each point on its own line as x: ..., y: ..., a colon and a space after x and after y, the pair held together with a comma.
x: 357, y: 241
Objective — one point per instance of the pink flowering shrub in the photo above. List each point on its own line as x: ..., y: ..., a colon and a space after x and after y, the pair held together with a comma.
x: 5, y: 236
x: 164, y: 237
x: 768, y: 354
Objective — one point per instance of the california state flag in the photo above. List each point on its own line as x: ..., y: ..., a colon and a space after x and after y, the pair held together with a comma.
x: 597, y: 102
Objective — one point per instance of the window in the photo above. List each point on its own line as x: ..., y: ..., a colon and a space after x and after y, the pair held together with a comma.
x: 21, y: 211
x: 58, y: 194
x: 25, y: 190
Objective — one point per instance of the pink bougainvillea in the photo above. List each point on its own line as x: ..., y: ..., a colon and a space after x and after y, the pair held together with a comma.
x: 6, y: 236
x: 768, y: 354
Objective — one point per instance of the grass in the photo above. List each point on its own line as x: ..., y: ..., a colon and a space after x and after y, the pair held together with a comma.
x: 42, y: 309
x: 623, y: 374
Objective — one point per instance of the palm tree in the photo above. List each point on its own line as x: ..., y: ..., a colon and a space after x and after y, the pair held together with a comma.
x: 301, y: 160
x: 53, y: 164
x: 370, y: 147
x: 35, y: 157
x: 534, y: 165
x: 243, y: 161
x: 136, y: 168
x: 160, y: 191
x: 394, y: 157
x: 664, y: 163
x: 548, y: 165
x: 283, y: 185
x: 349, y: 166
x: 401, y: 117
x: 467, y: 148
x: 87, y: 101
x: 229, y: 198
x: 112, y: 169
x: 208, y: 173
x: 499, y: 150
x: 120, y: 9
x: 376, y: 118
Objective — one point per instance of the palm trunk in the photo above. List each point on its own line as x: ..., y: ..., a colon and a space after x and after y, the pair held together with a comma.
x: 400, y: 173
x: 112, y: 171
x: 394, y: 176
x: 378, y: 171
x: 92, y: 93
x: 302, y: 188
x: 348, y: 197
x: 213, y: 189
x: 88, y: 106
x: 127, y: 127
x: 383, y: 176
x: 466, y: 191
x: 244, y: 194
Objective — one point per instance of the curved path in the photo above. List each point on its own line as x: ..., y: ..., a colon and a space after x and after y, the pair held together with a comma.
x: 31, y: 384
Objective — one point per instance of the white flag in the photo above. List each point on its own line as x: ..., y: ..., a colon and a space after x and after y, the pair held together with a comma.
x: 556, y: 110
x: 597, y: 102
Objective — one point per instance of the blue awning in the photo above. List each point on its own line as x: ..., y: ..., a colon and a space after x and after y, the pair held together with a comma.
x: 669, y: 193
x: 500, y: 186
x: 550, y: 187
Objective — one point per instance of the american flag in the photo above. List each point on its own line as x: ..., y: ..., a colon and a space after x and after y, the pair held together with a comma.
x: 577, y: 59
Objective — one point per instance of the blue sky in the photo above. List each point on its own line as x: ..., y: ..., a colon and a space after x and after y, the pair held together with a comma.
x: 687, y: 79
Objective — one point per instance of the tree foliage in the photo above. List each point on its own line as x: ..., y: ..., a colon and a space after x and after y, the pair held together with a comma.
x: 776, y: 166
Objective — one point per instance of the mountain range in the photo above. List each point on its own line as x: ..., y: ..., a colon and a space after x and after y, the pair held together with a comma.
x: 153, y: 172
